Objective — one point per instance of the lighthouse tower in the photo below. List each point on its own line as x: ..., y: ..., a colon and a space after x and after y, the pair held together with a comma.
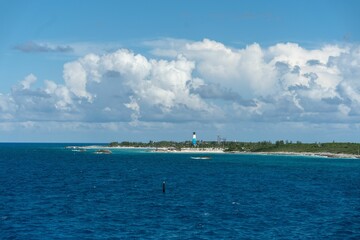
x: 194, y: 139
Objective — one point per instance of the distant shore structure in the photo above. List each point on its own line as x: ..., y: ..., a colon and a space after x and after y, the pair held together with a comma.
x: 194, y: 139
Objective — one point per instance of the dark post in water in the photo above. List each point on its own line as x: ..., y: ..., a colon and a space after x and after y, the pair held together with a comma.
x: 163, y: 186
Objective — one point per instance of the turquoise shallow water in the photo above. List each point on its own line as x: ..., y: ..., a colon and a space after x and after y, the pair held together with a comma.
x: 49, y: 192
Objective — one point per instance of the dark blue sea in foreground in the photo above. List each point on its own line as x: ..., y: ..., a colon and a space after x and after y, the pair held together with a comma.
x: 49, y: 192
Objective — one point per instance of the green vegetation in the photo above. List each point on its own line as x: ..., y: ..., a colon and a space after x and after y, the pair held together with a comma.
x: 280, y: 146
x: 264, y: 146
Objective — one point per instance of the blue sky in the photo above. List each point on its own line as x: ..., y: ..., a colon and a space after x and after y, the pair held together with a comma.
x: 99, y: 71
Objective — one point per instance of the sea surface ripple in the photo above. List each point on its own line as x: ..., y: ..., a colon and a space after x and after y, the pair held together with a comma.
x: 49, y: 192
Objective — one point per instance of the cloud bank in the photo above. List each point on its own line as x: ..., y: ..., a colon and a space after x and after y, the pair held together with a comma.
x: 30, y: 47
x: 204, y: 81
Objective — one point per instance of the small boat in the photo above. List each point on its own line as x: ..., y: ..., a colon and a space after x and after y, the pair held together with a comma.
x: 103, y: 151
x: 201, y: 158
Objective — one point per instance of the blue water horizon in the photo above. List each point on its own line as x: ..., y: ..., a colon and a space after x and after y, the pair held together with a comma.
x: 50, y: 192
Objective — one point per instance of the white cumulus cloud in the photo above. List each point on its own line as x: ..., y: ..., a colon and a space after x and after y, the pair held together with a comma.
x: 196, y: 81
x: 28, y: 81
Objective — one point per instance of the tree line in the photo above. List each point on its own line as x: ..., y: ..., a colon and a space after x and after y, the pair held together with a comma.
x: 263, y: 146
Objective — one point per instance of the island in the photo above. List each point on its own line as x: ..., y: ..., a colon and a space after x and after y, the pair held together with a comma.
x: 280, y: 147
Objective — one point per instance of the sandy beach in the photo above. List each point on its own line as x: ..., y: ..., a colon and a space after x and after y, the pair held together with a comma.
x: 189, y: 150
x: 221, y: 150
x: 310, y: 154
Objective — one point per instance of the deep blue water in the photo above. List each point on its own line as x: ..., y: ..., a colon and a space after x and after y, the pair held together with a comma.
x: 49, y: 192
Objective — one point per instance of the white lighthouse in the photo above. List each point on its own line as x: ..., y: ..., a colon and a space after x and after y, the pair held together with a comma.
x: 194, y: 139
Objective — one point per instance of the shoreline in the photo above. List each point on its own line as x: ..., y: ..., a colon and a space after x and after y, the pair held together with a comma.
x: 309, y: 154
x: 189, y: 150
x: 304, y: 154
x: 221, y: 151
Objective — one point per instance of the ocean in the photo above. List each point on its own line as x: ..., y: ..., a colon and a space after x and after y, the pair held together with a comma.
x: 50, y: 192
